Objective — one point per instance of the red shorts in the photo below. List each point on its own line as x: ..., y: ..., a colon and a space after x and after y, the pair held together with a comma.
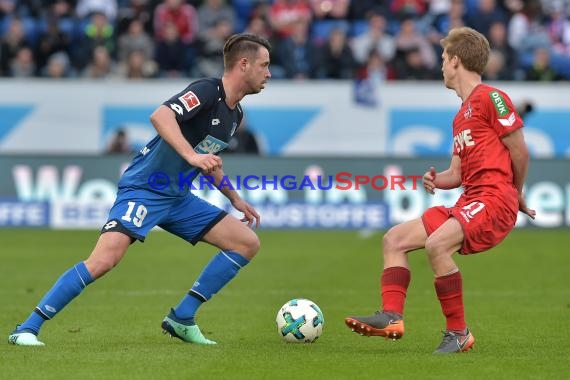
x: 486, y: 221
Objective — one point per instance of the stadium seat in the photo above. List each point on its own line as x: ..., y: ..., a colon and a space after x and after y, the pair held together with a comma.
x: 321, y: 29
x: 358, y: 27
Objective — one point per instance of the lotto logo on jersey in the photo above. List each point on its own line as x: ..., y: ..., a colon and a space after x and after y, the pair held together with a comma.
x: 500, y: 103
x: 210, y: 145
x: 189, y: 100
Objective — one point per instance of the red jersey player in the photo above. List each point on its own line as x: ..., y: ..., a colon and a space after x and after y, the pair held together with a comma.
x: 489, y: 161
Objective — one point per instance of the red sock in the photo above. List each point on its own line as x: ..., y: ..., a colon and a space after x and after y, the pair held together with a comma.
x: 450, y: 294
x: 395, y: 281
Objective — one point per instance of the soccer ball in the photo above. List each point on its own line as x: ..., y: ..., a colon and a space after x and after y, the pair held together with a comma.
x: 300, y: 321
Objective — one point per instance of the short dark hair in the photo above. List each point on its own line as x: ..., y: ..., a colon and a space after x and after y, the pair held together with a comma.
x: 242, y: 44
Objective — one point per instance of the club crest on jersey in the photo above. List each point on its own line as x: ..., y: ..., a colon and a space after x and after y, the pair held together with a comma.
x: 467, y: 114
x: 210, y: 145
x: 189, y: 100
x: 499, y: 103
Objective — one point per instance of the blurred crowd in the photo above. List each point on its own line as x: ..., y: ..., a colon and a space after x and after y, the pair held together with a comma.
x: 312, y: 39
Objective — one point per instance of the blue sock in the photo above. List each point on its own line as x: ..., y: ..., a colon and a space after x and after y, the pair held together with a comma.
x: 67, y: 287
x: 219, y: 271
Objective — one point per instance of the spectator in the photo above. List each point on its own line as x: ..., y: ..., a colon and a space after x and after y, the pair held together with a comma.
x: 410, y: 65
x: 408, y: 40
x: 562, y: 6
x: 362, y: 9
x: 137, y: 66
x: 130, y: 10
x: 51, y: 41
x: 209, y: 13
x: 525, y: 29
x: 369, y: 78
x: 7, y: 8
x: 375, y: 38
x: 61, y: 9
x: 297, y: 53
x: 486, y: 13
x: 86, y: 8
x: 136, y: 39
x: 408, y: 8
x: 101, y: 65
x: 23, y: 64
x: 210, y: 62
x: 558, y: 27
x: 13, y: 40
x: 496, y: 69
x: 439, y: 23
x: 336, y: 60
x: 178, y: 14
x: 541, y: 69
x: 375, y: 68
x: 260, y: 26
x: 286, y: 15
x: 119, y: 143
x: 499, y: 43
x: 98, y: 32
x: 330, y: 9
x: 57, y: 67
x: 171, y: 64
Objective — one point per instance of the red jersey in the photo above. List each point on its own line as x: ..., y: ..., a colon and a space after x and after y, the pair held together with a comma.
x: 485, y: 117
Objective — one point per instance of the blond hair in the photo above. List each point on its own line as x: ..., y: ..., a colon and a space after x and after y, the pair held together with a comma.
x: 470, y: 46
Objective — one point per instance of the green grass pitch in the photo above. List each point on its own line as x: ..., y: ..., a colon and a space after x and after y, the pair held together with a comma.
x: 517, y: 300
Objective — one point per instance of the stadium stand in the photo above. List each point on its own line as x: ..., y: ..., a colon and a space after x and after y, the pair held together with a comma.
x: 75, y: 28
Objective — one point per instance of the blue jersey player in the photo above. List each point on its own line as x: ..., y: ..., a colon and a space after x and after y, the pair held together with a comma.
x: 193, y: 126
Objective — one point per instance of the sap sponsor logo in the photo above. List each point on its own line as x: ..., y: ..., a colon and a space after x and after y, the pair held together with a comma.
x: 23, y: 214
x: 210, y: 145
x: 48, y: 184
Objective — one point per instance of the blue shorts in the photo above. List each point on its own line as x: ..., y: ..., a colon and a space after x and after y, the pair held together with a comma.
x: 136, y: 211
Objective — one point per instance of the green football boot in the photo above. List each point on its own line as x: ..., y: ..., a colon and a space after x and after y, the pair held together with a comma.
x: 187, y: 333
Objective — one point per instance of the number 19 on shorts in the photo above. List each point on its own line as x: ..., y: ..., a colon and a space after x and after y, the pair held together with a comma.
x: 139, y: 216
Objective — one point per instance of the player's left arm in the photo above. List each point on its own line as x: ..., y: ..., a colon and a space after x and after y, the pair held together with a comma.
x: 250, y: 215
x: 518, y: 151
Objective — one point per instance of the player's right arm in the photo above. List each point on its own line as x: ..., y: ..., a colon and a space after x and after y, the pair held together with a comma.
x: 164, y: 121
x: 447, y: 179
x: 518, y: 151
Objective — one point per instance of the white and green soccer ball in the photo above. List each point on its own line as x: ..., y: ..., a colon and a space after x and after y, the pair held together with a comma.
x: 300, y: 321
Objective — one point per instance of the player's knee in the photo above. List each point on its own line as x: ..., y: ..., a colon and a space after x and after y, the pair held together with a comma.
x: 391, y: 242
x: 249, y: 246
x: 433, y: 248
x: 98, y: 266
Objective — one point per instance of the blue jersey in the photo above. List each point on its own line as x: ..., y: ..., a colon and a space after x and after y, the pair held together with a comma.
x: 206, y: 122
